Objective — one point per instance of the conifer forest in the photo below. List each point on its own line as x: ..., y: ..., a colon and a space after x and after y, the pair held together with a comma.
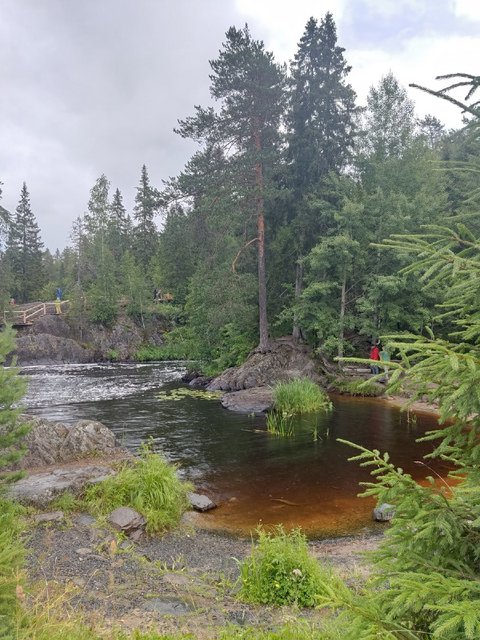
x: 276, y: 225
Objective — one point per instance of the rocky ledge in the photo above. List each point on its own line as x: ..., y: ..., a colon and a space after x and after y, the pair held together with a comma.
x: 284, y: 360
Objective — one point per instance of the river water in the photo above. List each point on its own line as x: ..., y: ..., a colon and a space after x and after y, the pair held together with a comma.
x: 254, y: 476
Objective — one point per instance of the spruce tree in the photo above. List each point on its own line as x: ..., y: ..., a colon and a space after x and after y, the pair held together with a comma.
x: 321, y: 128
x: 24, y: 251
x: 145, y: 231
x: 119, y: 237
x: 322, y: 108
x: 12, y: 389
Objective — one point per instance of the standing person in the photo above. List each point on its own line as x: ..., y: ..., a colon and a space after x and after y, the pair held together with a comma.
x: 58, y: 293
x: 385, y: 357
x: 374, y: 355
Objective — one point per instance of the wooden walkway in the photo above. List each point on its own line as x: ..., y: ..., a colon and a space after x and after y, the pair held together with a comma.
x: 24, y: 315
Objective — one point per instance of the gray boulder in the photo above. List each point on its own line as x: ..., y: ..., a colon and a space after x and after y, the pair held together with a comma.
x: 384, y: 512
x: 201, y: 502
x: 44, y: 348
x: 53, y: 442
x: 257, y: 400
x: 128, y: 521
x: 39, y: 489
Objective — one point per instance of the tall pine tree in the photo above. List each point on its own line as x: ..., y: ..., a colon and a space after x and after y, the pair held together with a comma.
x: 250, y: 88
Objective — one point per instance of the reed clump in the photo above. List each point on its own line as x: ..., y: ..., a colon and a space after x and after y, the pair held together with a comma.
x: 294, y: 398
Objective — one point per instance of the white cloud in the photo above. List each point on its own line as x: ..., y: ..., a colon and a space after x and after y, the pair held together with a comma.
x: 467, y: 9
x: 282, y: 22
x: 419, y: 62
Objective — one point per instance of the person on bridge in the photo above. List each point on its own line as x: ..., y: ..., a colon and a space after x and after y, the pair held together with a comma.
x: 58, y: 293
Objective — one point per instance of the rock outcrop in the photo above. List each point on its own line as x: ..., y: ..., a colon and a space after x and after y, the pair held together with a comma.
x: 257, y: 400
x: 48, y: 349
x: 285, y: 360
x: 50, y: 443
x: 39, y: 489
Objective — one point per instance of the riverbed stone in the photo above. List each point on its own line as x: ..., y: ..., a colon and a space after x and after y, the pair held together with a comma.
x: 127, y: 520
x: 384, y: 512
x: 201, y: 502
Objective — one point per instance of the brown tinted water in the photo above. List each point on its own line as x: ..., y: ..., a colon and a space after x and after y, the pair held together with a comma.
x: 255, y: 477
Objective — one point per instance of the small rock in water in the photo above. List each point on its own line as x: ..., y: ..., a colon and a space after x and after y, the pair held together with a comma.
x: 200, y: 502
x: 384, y: 512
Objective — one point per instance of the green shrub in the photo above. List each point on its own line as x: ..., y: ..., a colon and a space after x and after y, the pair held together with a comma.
x: 149, y: 485
x: 280, y: 570
x: 179, y: 344
x: 299, y: 396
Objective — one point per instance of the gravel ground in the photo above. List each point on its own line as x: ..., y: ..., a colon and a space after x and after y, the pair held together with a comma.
x: 182, y: 582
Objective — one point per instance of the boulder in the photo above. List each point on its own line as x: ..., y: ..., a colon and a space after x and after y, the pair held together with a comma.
x: 285, y: 360
x: 39, y: 489
x: 52, y: 516
x: 256, y: 400
x: 53, y: 442
x: 384, y: 512
x: 201, y: 502
x: 128, y: 521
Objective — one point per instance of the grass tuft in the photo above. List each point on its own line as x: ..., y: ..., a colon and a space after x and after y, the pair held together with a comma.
x: 150, y: 486
x: 300, y: 396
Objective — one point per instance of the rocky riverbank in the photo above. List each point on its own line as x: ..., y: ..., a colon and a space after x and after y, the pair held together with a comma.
x: 59, y: 339
x: 183, y: 582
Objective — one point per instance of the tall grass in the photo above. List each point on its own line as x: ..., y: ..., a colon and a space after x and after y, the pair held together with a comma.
x: 280, y: 570
x: 11, y: 559
x: 150, y: 486
x: 300, y: 396
x: 294, y: 398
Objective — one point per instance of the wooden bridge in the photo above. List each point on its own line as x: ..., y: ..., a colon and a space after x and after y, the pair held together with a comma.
x: 24, y: 315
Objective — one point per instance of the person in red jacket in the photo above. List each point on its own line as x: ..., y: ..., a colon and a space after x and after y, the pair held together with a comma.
x: 374, y: 355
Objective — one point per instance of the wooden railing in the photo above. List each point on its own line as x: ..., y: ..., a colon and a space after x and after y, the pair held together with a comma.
x: 30, y: 313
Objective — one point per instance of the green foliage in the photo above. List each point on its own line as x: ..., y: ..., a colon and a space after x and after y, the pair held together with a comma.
x: 178, y: 394
x: 426, y: 579
x: 299, y: 630
x: 179, y: 344
x: 149, y: 485
x: 280, y: 570
x: 12, y: 389
x: 11, y: 558
x: 298, y: 396
x: 366, y: 388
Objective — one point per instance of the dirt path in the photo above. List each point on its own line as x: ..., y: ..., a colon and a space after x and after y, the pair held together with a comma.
x: 184, y: 582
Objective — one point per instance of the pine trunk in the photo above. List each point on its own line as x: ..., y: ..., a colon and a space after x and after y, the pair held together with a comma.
x: 297, y: 331
x: 341, y: 333
x: 262, y: 279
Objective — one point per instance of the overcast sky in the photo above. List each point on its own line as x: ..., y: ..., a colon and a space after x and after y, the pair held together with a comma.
x: 96, y: 86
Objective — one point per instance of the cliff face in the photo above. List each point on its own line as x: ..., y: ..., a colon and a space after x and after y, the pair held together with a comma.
x: 52, y: 339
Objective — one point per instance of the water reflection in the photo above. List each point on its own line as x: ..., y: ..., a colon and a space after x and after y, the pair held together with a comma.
x: 255, y: 476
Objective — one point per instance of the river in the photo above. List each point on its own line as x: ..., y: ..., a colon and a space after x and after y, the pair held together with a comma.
x: 256, y: 478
